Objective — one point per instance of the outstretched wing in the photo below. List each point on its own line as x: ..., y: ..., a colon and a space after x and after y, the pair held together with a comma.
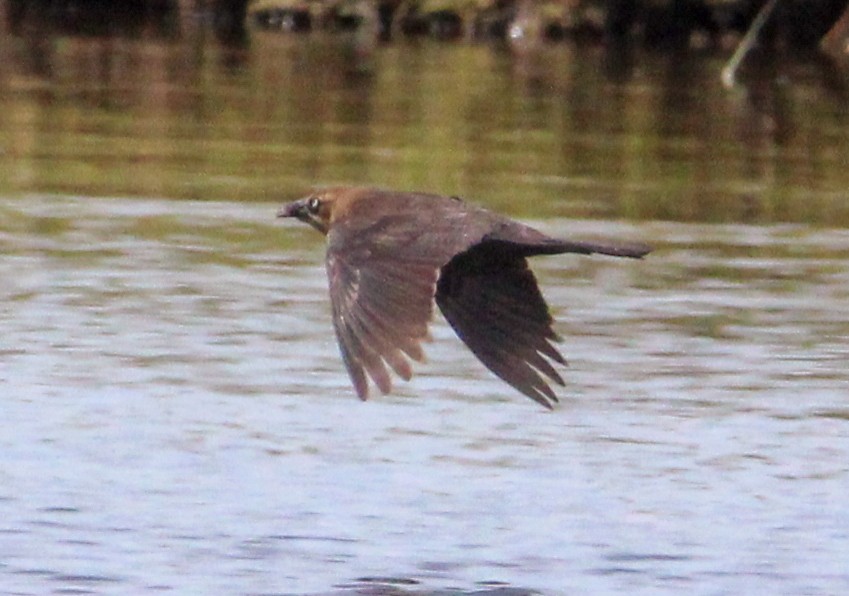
x: 382, y: 266
x: 381, y: 310
x: 491, y: 299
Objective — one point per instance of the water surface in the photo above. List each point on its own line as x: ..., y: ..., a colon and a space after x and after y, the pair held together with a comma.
x: 176, y: 417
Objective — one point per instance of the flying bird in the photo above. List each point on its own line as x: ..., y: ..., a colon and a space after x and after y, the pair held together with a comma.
x: 391, y: 255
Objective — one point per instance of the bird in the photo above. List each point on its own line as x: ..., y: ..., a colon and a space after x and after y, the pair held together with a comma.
x: 392, y: 254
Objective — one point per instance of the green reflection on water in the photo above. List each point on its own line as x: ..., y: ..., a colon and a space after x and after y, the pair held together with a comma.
x: 551, y: 134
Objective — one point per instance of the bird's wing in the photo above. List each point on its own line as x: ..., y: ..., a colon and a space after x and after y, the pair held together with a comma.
x: 387, y: 251
x: 382, y: 299
x: 491, y: 299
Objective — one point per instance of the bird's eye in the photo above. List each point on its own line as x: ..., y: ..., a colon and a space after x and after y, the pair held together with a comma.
x: 313, y: 204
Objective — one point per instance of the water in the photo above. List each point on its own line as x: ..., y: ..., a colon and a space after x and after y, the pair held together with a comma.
x: 176, y: 417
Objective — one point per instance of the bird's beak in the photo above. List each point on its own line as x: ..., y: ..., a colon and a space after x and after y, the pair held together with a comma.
x: 299, y: 210
x: 293, y: 209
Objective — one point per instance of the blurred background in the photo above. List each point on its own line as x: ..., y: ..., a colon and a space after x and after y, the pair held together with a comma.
x: 590, y: 108
x: 174, y: 414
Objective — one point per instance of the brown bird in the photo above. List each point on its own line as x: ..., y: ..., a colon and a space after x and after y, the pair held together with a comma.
x: 391, y: 254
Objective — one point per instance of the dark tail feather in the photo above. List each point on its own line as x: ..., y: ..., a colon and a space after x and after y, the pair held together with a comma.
x: 633, y: 251
x: 528, y: 242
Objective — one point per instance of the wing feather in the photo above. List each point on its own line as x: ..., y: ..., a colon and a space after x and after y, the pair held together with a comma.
x: 358, y: 355
x: 381, y: 311
x: 503, y: 328
x: 491, y: 299
x: 404, y: 340
x: 380, y: 343
x: 355, y: 368
x: 506, y: 363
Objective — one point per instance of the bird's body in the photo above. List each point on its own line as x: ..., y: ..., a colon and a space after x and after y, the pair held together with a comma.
x: 390, y: 255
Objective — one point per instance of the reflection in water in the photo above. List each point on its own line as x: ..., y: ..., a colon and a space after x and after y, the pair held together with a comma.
x: 44, y: 18
x: 553, y: 128
x: 150, y: 19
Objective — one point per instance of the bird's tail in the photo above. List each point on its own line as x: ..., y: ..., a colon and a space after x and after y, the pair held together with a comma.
x: 554, y: 246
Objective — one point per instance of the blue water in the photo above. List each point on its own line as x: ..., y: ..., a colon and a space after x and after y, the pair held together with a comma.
x: 175, y: 418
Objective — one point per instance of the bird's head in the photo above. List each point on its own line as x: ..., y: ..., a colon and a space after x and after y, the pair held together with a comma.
x: 315, y: 209
x: 323, y: 208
